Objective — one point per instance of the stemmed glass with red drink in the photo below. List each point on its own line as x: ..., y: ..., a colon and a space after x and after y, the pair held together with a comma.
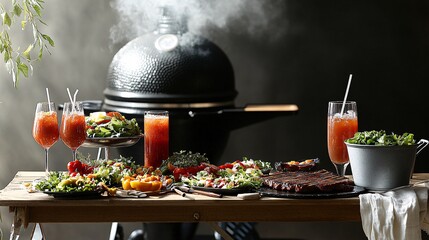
x: 72, y: 129
x: 45, y: 128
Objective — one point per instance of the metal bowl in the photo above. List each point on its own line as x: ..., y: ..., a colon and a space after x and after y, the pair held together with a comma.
x: 380, y: 168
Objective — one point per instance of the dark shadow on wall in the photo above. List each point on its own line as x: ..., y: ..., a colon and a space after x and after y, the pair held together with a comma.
x: 384, y: 44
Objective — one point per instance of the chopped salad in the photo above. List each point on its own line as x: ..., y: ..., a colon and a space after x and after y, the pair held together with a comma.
x: 110, y: 124
x: 245, y: 174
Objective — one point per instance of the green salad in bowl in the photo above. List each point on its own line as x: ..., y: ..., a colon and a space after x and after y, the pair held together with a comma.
x: 381, y: 138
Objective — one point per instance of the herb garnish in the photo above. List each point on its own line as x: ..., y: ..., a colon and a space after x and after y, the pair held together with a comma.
x: 183, y: 159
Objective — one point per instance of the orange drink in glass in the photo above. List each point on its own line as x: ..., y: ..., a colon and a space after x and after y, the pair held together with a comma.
x: 342, y: 124
x: 156, y: 138
x: 45, y: 128
x: 73, y: 126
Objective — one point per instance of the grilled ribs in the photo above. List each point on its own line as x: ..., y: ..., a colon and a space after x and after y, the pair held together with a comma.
x: 321, y: 181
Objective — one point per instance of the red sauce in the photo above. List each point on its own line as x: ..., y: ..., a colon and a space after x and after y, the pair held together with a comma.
x: 340, y: 129
x: 73, y: 131
x: 45, y: 129
x: 156, y: 139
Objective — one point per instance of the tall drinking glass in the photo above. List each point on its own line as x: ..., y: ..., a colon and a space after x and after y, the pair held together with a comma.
x: 340, y: 128
x: 156, y: 138
x: 72, y: 130
x: 45, y: 128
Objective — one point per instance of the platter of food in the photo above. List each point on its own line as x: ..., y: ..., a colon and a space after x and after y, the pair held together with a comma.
x: 300, y: 165
x: 111, y: 129
x: 308, y: 184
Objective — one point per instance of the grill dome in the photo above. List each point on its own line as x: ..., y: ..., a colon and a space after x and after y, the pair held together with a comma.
x: 164, y: 68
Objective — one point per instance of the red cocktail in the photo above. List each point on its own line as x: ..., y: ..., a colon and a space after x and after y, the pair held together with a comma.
x: 45, y: 128
x: 73, y: 126
x: 156, y: 138
x: 340, y: 129
x: 73, y: 131
x: 342, y: 124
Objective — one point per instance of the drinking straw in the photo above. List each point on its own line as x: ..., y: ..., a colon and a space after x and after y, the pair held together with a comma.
x: 347, y: 92
x: 74, y: 96
x: 49, y: 100
x: 71, y: 99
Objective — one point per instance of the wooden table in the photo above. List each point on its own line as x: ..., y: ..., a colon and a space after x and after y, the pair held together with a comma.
x: 39, y: 207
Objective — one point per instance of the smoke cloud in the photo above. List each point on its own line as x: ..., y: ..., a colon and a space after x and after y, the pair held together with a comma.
x: 254, y: 18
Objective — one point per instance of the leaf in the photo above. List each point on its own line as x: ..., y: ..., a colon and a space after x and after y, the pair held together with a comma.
x: 6, y: 56
x: 37, y: 9
x: 49, y: 39
x: 22, y: 67
x: 26, y: 53
x: 17, y: 10
x: 42, y: 22
x: 40, y: 53
x: 6, y: 19
x: 23, y: 23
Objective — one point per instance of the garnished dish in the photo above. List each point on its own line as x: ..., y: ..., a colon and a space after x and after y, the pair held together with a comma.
x: 300, y: 179
x: 111, y: 129
x: 229, y: 178
x: 86, y: 178
x: 381, y: 138
x: 110, y: 125
x: 302, y: 165
x: 184, y: 163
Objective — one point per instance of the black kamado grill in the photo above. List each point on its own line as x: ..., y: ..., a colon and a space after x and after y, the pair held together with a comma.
x: 191, y: 77
x: 188, y: 75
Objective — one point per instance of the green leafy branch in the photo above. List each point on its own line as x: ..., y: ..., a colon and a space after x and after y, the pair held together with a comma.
x: 29, y: 13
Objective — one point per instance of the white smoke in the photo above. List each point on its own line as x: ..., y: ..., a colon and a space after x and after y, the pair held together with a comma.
x: 251, y: 17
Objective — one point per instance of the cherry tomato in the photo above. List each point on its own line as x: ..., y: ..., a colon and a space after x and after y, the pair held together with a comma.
x: 74, y: 166
x: 226, y: 165
x: 178, y: 172
x: 86, y: 169
x: 104, y: 121
x: 116, y: 115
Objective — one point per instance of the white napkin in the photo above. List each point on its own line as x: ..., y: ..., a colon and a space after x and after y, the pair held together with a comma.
x: 399, y: 214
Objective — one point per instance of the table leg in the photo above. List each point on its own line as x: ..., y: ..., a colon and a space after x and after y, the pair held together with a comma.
x: 220, y: 230
x: 37, y: 233
x: 20, y: 218
x: 113, y: 230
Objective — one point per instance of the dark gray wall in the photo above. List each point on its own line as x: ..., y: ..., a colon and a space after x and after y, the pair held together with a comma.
x: 384, y: 44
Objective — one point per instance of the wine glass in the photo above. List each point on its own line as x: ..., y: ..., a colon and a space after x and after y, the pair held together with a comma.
x: 45, y: 128
x: 342, y: 124
x: 72, y: 130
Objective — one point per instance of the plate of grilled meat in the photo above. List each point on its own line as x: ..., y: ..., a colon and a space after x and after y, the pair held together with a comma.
x: 308, y: 184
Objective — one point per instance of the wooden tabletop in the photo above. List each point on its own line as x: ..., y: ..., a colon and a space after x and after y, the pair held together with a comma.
x: 171, y: 207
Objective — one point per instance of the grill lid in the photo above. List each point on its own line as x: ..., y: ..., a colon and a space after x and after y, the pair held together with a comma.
x: 166, y: 66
